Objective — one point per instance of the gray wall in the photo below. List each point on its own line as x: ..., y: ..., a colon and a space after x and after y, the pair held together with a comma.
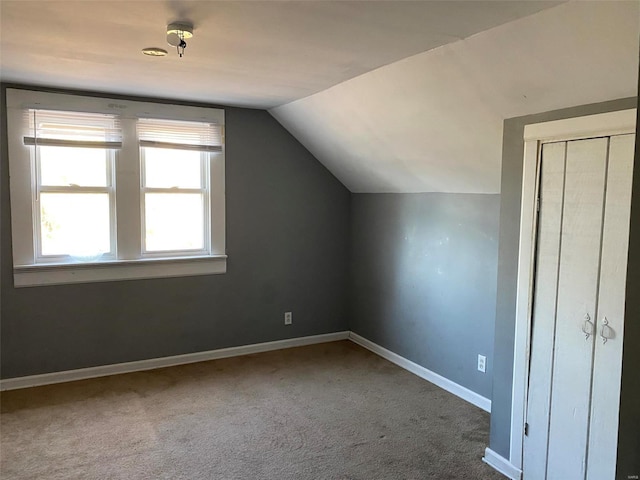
x: 423, y: 272
x: 511, y: 186
x: 287, y: 231
x: 629, y: 432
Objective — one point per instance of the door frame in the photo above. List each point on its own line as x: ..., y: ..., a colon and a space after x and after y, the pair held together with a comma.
x: 599, y: 125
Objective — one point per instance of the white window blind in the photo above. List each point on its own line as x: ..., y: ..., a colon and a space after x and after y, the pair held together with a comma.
x: 73, y: 129
x: 200, y: 136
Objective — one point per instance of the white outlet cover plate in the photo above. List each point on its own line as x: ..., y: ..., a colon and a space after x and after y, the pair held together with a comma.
x: 482, y: 363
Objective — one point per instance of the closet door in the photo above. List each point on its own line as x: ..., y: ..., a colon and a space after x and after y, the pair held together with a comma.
x: 578, y: 277
x: 552, y: 166
x: 607, y: 370
x: 578, y: 309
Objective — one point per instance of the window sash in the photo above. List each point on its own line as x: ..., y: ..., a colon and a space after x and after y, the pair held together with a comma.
x: 204, y: 190
x: 205, y: 159
x: 146, y: 253
x: 110, y: 158
x: 58, y: 258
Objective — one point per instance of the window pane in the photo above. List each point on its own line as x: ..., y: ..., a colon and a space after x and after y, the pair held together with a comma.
x: 74, y: 224
x: 167, y: 167
x: 86, y: 167
x: 174, y: 221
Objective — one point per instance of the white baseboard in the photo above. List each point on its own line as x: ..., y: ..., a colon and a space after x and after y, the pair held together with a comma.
x: 442, y: 382
x: 501, y: 464
x: 128, y: 367
x: 153, y: 363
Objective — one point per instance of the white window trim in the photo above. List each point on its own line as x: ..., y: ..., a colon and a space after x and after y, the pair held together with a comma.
x: 130, y: 263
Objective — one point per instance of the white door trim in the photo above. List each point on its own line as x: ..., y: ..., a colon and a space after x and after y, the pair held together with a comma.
x: 604, y: 124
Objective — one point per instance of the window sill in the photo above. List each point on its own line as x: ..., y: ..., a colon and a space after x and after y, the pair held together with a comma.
x: 115, y: 270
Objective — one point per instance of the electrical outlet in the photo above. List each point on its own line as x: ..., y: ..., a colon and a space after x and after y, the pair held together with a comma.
x: 482, y: 363
x: 287, y: 318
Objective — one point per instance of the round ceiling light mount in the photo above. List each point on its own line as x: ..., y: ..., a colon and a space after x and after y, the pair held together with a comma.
x: 154, y: 51
x: 181, y: 29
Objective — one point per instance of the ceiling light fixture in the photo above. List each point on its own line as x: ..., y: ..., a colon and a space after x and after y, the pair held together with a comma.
x: 177, y: 33
x: 154, y: 51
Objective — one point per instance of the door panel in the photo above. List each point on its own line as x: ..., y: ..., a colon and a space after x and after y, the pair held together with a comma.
x: 607, y: 371
x: 577, y: 293
x: 544, y: 308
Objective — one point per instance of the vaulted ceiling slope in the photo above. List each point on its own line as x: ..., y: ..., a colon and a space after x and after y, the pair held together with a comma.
x: 248, y: 53
x: 433, y: 122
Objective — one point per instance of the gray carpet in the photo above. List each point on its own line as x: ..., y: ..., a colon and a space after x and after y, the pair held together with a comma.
x: 330, y: 411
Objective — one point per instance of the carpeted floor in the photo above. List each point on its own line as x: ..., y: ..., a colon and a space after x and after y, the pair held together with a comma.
x: 330, y: 411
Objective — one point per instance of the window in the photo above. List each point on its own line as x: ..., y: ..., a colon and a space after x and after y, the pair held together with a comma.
x: 108, y: 190
x: 175, y: 194
x: 74, y: 196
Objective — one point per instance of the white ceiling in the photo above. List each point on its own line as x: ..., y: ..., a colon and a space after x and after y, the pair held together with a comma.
x: 390, y: 96
x: 257, y: 54
x: 433, y: 122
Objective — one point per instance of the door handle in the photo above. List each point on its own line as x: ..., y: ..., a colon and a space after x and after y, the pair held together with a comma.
x: 606, y: 332
x: 587, y: 326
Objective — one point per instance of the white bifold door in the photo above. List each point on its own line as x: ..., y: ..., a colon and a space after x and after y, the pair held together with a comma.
x: 578, y: 309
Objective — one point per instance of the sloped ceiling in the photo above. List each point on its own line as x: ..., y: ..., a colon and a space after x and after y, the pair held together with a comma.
x: 248, y: 53
x: 390, y: 96
x: 433, y: 122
